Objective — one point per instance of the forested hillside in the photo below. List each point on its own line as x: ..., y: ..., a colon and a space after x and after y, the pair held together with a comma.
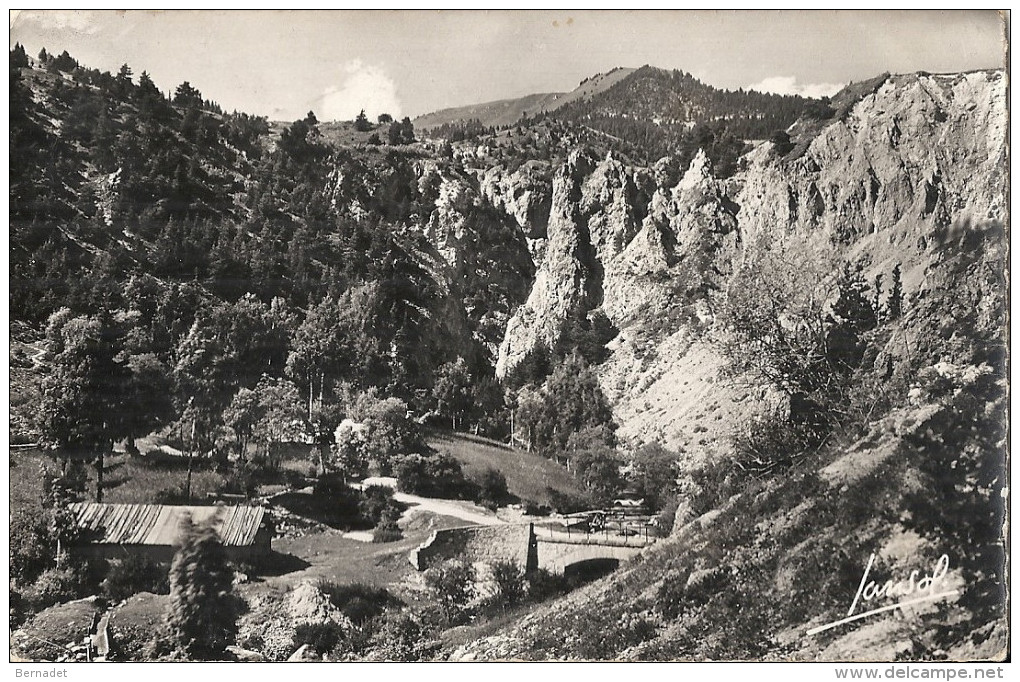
x: 654, y: 112
x: 173, y: 245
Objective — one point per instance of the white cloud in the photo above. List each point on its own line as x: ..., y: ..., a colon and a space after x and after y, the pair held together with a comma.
x: 788, y: 85
x: 364, y: 86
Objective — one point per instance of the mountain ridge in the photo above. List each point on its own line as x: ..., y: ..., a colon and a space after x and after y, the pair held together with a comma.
x: 511, y: 110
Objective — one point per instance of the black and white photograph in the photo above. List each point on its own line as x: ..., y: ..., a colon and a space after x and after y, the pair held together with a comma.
x: 509, y: 335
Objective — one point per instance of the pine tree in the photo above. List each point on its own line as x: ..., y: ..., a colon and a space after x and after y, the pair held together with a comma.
x: 853, y: 314
x: 361, y: 123
x: 877, y: 295
x: 18, y: 57
x: 894, y: 305
x: 406, y: 131
x: 187, y: 96
x: 202, y: 618
x: 395, y: 133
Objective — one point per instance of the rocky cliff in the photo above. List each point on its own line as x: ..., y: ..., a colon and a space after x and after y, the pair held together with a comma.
x: 892, y: 170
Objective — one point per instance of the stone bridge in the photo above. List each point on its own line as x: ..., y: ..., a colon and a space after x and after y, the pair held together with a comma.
x: 560, y: 552
x: 555, y: 551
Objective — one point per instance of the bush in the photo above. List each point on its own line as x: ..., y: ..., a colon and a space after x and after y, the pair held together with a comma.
x: 335, y: 501
x: 358, y: 601
x: 438, y: 475
x: 387, y: 529
x: 239, y: 480
x: 31, y: 549
x: 565, y: 503
x: 132, y: 575
x: 323, y: 637
x: 781, y: 141
x: 18, y: 609
x: 492, y: 489
x: 768, y: 446
x: 56, y: 586
x: 173, y: 495
x: 683, y: 589
x: 666, y: 517
x: 404, y: 637
x: 452, y: 585
x: 535, y: 509
x: 510, y: 584
x: 375, y: 499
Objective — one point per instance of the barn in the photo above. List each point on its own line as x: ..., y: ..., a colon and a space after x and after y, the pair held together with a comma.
x: 112, y: 531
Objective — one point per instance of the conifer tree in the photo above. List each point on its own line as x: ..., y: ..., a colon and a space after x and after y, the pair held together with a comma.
x: 894, y: 306
x: 202, y: 618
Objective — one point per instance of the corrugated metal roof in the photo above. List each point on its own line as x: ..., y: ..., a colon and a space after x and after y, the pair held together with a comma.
x: 157, y: 524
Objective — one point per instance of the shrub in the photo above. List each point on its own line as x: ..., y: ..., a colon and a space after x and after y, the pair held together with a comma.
x: 387, y: 529
x: 452, y: 585
x: 535, y: 509
x: 374, y: 501
x: 239, y: 480
x: 767, y: 446
x: 18, y: 609
x: 56, y: 586
x: 492, y: 489
x: 543, y: 585
x: 781, y: 141
x: 669, y: 600
x: 358, y: 601
x: 510, y: 584
x: 404, y: 637
x: 323, y: 637
x: 31, y: 549
x: 654, y: 471
x: 666, y: 517
x: 565, y: 503
x: 683, y: 589
x: 438, y: 475
x: 602, y: 634
x: 336, y: 501
x: 132, y: 575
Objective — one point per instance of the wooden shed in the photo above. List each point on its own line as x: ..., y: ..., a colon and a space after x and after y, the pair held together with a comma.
x: 113, y: 531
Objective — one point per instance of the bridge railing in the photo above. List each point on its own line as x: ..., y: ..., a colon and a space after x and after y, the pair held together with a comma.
x: 607, y: 536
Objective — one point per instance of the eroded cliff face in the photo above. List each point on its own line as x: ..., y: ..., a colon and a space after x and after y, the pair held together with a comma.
x: 480, y: 256
x: 916, y: 156
x: 519, y: 250
x: 920, y: 154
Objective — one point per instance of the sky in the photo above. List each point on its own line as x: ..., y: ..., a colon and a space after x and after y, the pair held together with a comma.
x: 283, y: 64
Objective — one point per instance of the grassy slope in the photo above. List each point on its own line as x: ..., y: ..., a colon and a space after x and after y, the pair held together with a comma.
x: 528, y: 476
